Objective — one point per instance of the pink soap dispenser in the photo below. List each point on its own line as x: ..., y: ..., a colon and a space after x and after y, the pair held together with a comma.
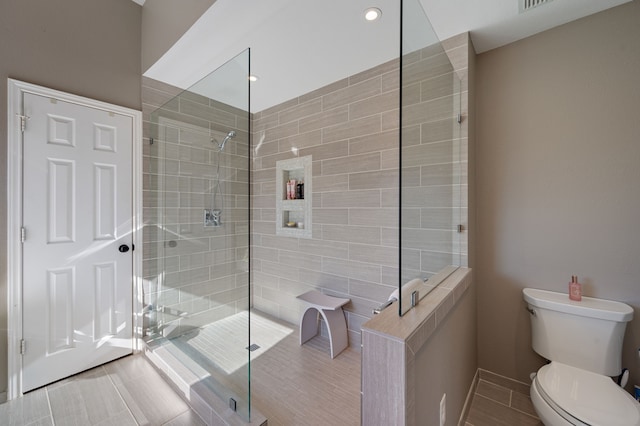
x: 575, y: 289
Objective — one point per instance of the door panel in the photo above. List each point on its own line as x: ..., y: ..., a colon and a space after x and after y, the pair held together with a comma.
x: 77, y: 211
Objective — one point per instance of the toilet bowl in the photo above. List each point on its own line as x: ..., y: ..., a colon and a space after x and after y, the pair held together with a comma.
x: 565, y: 395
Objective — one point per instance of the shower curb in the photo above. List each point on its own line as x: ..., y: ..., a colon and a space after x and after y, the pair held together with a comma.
x: 195, y: 390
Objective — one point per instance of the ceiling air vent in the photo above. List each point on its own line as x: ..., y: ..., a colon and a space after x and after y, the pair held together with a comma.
x: 526, y: 5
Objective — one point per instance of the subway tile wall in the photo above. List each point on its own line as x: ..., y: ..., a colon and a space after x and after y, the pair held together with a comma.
x: 351, y: 128
x: 434, y: 166
x: 193, y: 275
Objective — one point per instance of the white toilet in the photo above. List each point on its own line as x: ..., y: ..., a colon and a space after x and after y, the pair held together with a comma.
x: 583, y: 341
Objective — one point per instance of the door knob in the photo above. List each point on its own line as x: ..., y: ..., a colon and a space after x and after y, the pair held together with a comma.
x: 123, y: 248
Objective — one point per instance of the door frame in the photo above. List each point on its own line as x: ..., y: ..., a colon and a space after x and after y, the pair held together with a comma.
x: 15, y: 91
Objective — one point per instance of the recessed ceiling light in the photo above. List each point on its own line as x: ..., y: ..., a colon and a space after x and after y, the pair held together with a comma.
x: 253, y: 78
x: 372, y: 14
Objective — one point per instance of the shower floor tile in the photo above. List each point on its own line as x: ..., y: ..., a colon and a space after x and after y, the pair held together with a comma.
x: 290, y: 384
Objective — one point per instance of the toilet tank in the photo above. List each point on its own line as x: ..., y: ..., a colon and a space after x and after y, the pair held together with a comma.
x: 586, y: 334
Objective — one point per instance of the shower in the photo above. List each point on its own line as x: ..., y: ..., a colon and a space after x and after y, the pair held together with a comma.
x: 198, y: 269
x: 230, y: 135
x: 213, y: 216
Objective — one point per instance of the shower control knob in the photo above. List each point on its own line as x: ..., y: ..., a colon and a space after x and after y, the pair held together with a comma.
x: 123, y: 248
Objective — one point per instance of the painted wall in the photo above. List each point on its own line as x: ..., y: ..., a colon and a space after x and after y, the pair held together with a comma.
x: 446, y: 364
x: 164, y: 22
x: 89, y: 48
x: 558, y: 167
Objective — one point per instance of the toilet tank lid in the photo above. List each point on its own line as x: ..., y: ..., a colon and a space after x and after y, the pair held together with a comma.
x: 587, y: 307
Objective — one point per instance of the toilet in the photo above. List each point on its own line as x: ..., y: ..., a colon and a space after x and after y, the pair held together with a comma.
x: 583, y: 341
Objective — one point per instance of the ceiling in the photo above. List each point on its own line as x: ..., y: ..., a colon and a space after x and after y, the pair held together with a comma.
x: 300, y: 45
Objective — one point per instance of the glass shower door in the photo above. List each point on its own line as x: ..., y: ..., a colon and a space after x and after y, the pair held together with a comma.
x: 201, y: 296
x: 430, y: 157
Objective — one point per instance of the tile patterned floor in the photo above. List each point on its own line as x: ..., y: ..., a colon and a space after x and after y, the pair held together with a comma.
x: 501, y: 401
x: 312, y: 389
x: 128, y: 391
x: 291, y: 385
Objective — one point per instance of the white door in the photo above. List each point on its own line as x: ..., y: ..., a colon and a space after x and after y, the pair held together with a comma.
x: 77, y: 257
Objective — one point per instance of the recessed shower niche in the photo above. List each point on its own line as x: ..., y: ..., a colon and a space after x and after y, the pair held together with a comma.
x: 293, y: 197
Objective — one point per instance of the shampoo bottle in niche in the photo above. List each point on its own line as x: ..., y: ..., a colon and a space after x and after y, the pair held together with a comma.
x: 575, y: 289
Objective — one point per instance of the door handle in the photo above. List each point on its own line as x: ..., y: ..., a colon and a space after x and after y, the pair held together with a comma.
x: 123, y: 248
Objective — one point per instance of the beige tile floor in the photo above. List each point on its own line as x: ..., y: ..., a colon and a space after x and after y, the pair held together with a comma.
x: 290, y: 384
x: 499, y: 401
x: 128, y: 391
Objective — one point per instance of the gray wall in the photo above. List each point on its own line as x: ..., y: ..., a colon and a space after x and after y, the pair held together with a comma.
x: 86, y: 47
x: 164, y: 22
x: 447, y: 363
x: 558, y: 159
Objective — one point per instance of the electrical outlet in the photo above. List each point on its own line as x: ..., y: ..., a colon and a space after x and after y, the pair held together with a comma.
x: 443, y: 409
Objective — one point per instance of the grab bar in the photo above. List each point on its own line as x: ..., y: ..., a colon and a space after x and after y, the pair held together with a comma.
x: 384, y: 305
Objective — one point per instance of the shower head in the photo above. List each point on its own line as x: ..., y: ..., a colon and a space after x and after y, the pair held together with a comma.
x: 230, y: 135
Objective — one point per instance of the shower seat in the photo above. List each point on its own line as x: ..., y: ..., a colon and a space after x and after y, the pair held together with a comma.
x: 331, y: 310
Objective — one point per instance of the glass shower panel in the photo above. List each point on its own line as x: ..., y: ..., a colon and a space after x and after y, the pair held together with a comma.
x: 202, y: 296
x: 430, y: 153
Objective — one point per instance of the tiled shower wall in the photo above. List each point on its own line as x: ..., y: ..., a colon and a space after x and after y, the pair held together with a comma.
x: 434, y: 166
x: 193, y: 275
x: 350, y: 128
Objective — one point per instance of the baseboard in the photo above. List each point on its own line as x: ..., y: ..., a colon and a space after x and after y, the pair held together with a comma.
x: 468, y: 401
x: 3, y: 397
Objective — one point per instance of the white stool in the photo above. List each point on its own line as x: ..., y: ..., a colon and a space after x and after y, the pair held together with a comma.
x: 331, y: 310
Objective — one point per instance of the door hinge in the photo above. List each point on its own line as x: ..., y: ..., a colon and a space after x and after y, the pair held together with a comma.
x: 23, y: 234
x: 23, y: 122
x: 459, y: 118
x: 23, y: 347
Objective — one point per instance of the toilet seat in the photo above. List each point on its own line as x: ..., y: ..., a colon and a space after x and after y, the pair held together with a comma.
x: 583, y: 397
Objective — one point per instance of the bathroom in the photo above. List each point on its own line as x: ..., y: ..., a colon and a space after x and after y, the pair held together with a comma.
x: 555, y: 172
